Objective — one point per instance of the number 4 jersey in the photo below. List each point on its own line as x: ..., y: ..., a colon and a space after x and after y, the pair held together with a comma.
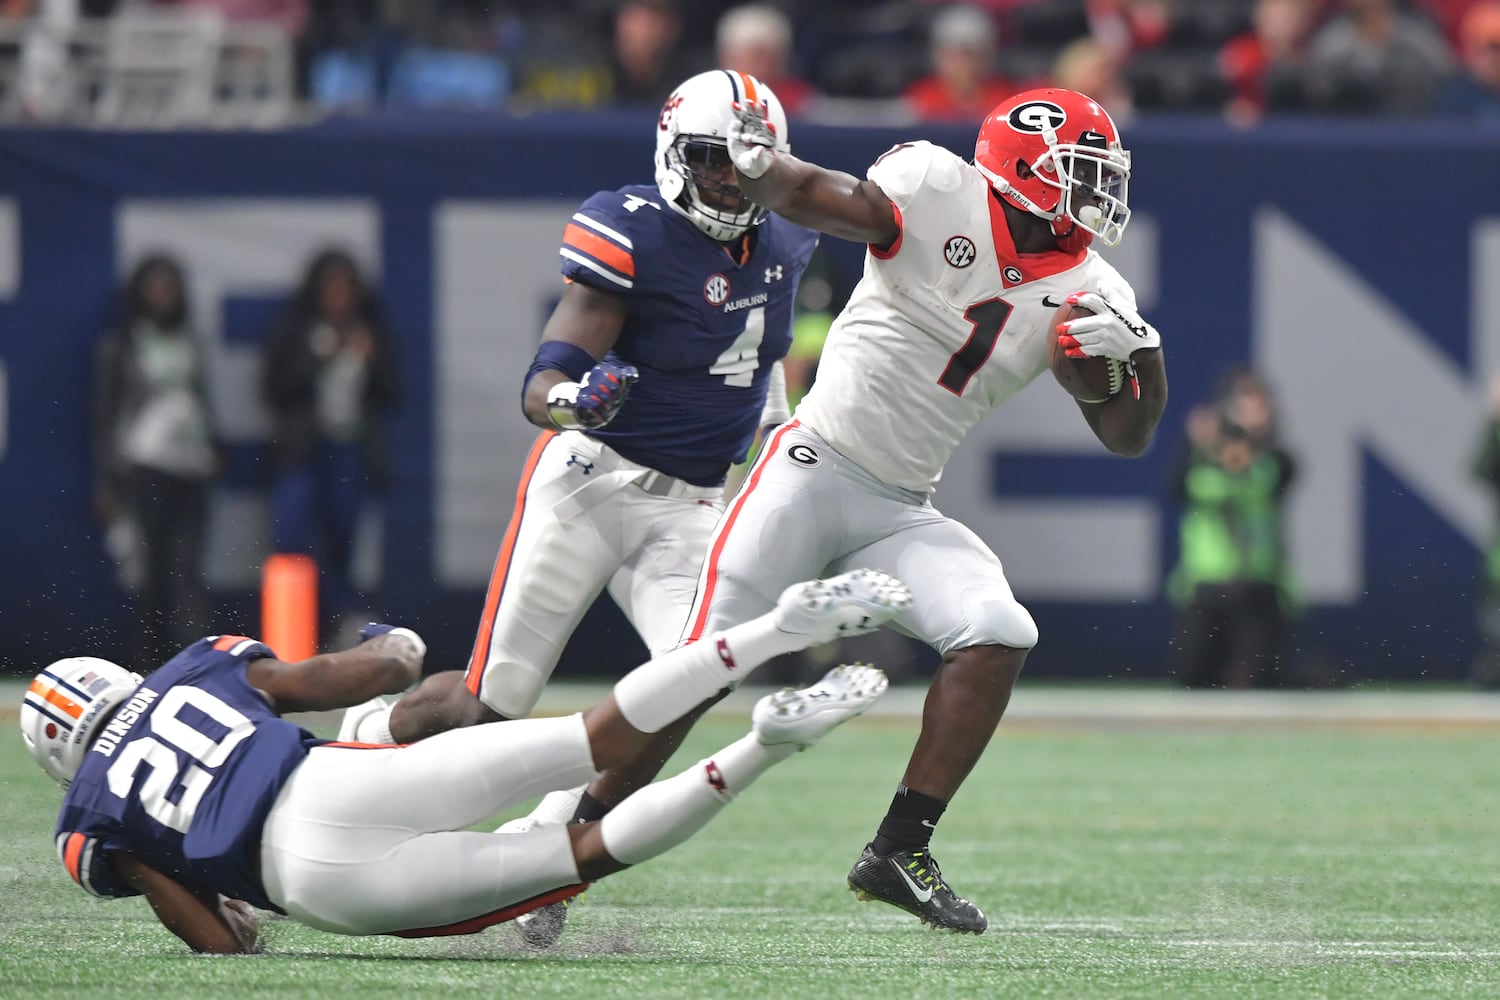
x: 945, y: 325
x: 705, y: 323
x: 183, y: 777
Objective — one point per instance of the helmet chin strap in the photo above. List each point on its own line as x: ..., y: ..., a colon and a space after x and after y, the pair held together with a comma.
x: 1070, y: 236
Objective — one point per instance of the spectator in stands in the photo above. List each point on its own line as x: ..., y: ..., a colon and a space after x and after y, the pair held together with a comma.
x: 1448, y: 15
x: 963, y: 86
x: 289, y: 15
x: 1232, y: 580
x: 328, y: 377
x: 1126, y: 26
x: 155, y: 453
x: 1263, y: 67
x: 757, y: 39
x: 1375, y: 57
x: 647, y: 62
x: 1475, y: 91
x: 1088, y: 67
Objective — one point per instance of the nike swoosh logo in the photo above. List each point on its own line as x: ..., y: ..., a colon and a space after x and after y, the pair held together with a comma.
x: 1047, y: 301
x: 923, y: 895
x: 930, y: 825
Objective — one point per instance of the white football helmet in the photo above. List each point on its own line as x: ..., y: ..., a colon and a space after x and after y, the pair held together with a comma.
x: 691, y: 151
x: 65, y: 706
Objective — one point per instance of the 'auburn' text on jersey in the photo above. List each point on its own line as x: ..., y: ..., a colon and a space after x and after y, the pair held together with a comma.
x: 704, y: 325
x: 183, y: 776
x: 945, y: 325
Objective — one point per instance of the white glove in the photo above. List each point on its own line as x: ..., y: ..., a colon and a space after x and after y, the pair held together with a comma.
x: 1114, y: 331
x: 752, y: 139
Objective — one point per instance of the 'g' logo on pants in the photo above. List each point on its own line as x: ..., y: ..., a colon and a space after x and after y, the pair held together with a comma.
x: 803, y: 455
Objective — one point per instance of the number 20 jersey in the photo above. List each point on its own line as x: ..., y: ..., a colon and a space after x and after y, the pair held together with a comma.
x: 944, y: 326
x: 702, y: 327
x: 183, y: 777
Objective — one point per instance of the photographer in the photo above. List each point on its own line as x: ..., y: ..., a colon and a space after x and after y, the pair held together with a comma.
x: 1232, y: 581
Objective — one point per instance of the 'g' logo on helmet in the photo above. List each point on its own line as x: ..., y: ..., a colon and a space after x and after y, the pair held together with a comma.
x: 1035, y: 116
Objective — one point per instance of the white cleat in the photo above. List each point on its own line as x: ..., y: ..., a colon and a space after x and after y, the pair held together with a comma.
x: 355, y: 714
x: 851, y: 603
x: 521, y: 824
x: 804, y: 716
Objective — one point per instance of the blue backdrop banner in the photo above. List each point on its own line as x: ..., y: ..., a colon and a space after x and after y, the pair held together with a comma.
x: 1353, y: 264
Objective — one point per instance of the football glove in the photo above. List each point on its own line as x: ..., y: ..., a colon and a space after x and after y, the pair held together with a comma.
x: 1114, y: 331
x: 593, y: 400
x: 374, y: 630
x: 751, y: 139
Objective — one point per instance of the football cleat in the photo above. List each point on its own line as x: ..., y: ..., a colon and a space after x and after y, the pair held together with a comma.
x: 851, y: 603
x: 541, y: 928
x: 912, y: 881
x: 355, y: 714
x: 802, y: 716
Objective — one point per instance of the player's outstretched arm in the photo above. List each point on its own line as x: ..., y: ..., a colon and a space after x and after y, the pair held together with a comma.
x: 829, y: 201
x: 588, y: 321
x: 388, y: 663
x: 1124, y: 424
x: 209, y: 923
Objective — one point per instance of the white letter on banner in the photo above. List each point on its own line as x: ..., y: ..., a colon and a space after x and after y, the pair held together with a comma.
x: 495, y: 273
x: 1352, y: 373
x: 246, y: 247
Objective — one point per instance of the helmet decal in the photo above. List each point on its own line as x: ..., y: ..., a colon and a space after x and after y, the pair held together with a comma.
x: 1037, y: 116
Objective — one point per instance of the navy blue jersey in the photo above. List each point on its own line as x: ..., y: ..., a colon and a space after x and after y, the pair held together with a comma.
x: 183, y: 777
x: 702, y: 327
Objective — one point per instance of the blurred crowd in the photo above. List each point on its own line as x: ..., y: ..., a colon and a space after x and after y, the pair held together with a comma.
x: 886, y: 60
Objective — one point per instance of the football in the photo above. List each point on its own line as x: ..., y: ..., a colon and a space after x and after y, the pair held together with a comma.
x: 1088, y: 380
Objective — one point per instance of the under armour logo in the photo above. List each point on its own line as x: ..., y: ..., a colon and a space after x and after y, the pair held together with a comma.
x: 773, y: 274
x: 715, y: 777
x: 587, y: 467
x: 725, y: 656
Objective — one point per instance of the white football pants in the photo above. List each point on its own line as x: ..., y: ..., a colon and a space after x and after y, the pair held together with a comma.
x: 585, y: 518
x: 370, y: 839
x: 807, y: 511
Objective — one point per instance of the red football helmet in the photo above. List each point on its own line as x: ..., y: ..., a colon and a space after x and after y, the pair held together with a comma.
x: 1078, y: 173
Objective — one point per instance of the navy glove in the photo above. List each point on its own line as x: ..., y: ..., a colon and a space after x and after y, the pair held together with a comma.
x: 592, y: 401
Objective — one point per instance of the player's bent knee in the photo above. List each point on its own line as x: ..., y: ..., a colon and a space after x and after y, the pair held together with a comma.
x: 998, y: 624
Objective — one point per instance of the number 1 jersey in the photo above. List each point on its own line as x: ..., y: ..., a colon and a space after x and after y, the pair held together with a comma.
x: 183, y: 777
x: 944, y: 326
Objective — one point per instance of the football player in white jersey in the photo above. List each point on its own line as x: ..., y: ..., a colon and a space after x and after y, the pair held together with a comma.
x: 968, y: 262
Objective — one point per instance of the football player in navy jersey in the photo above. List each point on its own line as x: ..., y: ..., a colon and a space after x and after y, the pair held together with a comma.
x: 189, y: 788
x: 655, y: 371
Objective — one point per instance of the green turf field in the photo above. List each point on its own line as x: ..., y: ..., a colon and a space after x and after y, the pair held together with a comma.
x: 1115, y: 858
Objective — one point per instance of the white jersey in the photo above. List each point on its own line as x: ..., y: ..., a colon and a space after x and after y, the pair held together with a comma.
x: 944, y: 326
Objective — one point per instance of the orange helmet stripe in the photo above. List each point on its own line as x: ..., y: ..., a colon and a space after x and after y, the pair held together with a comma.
x: 747, y: 83
x: 53, y: 697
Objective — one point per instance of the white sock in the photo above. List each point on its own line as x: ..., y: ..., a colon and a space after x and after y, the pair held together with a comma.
x: 663, y: 815
x: 557, y: 807
x: 658, y: 693
x: 375, y: 728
